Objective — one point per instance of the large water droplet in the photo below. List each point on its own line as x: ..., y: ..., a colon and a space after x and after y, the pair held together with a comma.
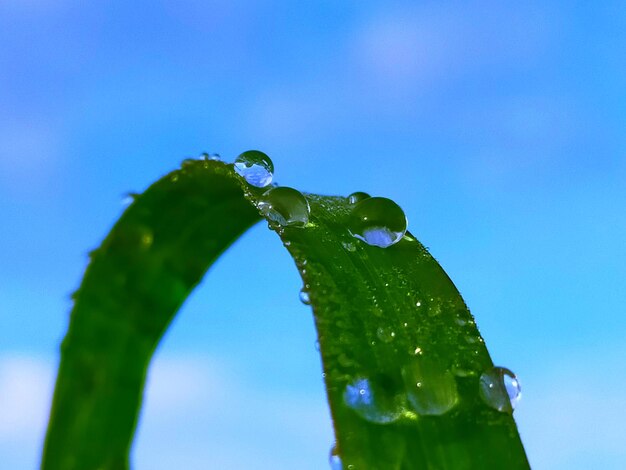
x: 373, y: 401
x: 430, y: 389
x: 334, y: 460
x: 378, y: 221
x: 500, y: 389
x: 285, y: 206
x: 357, y: 197
x: 255, y: 167
x: 304, y: 297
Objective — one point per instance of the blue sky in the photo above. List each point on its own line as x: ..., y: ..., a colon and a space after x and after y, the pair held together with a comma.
x: 497, y: 126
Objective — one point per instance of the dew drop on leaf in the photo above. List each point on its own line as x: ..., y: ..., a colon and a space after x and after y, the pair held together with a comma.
x: 430, y: 390
x: 304, y: 297
x: 357, y: 197
x: 129, y: 198
x: 373, y: 401
x: 500, y: 389
x: 334, y: 460
x: 255, y: 167
x: 378, y: 221
x: 385, y: 334
x: 210, y: 156
x: 285, y: 206
x: 349, y: 246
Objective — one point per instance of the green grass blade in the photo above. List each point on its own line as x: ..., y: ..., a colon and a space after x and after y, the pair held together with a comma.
x: 136, y: 281
x: 369, y: 326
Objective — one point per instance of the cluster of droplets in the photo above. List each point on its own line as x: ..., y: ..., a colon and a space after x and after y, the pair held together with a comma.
x: 377, y: 221
x: 423, y: 388
x: 283, y: 206
x: 426, y: 390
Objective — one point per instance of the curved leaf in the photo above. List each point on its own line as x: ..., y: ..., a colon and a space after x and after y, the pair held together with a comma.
x: 401, y: 353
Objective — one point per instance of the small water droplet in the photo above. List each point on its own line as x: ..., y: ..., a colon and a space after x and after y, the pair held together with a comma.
x: 317, y: 345
x: 418, y: 351
x: 304, y: 297
x: 378, y: 221
x: 385, y: 334
x: 285, y: 207
x: 373, y: 401
x: 357, y: 197
x: 334, y: 460
x: 349, y: 246
x: 255, y: 167
x: 500, y: 389
x: 188, y: 162
x: 210, y: 156
x: 430, y: 390
x: 174, y: 178
x: 461, y: 371
x: 129, y: 198
x: 418, y: 303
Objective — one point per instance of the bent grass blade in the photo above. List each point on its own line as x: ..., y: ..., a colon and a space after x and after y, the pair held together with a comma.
x: 401, y: 353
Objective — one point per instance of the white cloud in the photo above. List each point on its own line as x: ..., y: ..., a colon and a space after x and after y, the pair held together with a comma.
x: 212, y: 417
x: 25, y: 393
x: 405, y: 49
x: 196, y: 411
x: 203, y: 413
x: 427, y: 45
x: 573, y: 411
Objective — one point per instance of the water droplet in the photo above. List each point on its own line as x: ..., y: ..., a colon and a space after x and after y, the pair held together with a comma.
x: 385, y: 334
x: 304, y: 297
x: 129, y: 198
x: 473, y: 339
x: 317, y: 345
x: 373, y: 401
x: 210, y: 156
x: 460, y: 321
x: 174, y: 178
x: 285, y: 207
x: 334, y: 460
x: 418, y: 303
x: 349, y: 246
x: 500, y: 389
x: 461, y: 371
x: 255, y: 167
x: 430, y: 390
x: 378, y: 221
x: 357, y: 197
